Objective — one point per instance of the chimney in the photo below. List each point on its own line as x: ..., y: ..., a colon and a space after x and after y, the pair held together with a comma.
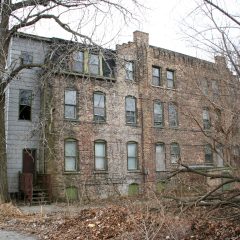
x: 220, y: 60
x: 141, y: 38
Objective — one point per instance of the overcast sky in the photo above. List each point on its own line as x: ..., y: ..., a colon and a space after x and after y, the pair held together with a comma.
x: 163, y: 20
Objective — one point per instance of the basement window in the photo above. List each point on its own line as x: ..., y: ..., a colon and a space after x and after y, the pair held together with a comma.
x: 25, y: 104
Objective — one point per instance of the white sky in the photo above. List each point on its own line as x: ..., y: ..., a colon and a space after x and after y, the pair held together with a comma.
x: 163, y: 21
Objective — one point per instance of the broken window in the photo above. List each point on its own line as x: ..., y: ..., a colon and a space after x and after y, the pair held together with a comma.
x: 172, y: 115
x: 78, y: 63
x: 94, y: 64
x: 208, y: 154
x: 99, y: 107
x: 170, y: 79
x: 132, y: 158
x: 108, y: 67
x: 26, y: 57
x: 70, y: 102
x: 25, y: 102
x: 206, y: 119
x: 156, y: 76
x: 158, y: 114
x: 175, y: 152
x: 130, y: 110
x: 70, y: 155
x: 100, y: 155
x: 160, y: 157
x: 129, y: 71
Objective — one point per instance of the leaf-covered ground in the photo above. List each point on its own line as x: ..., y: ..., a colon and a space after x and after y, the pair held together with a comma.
x: 128, y: 220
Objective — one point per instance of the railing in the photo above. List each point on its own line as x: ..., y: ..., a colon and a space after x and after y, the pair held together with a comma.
x: 44, y: 180
x: 26, y: 185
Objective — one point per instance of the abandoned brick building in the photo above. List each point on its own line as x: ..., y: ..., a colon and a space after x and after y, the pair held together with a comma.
x: 96, y: 122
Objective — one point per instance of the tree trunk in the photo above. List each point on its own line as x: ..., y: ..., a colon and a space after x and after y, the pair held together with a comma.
x: 4, y: 44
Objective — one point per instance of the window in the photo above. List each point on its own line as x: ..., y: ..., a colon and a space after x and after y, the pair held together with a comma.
x: 204, y: 87
x: 156, y: 76
x: 206, y: 119
x: 160, y: 157
x: 219, y: 155
x: 26, y: 57
x: 215, y: 89
x: 100, y: 155
x: 208, y: 154
x: 170, y: 79
x: 99, y: 107
x: 172, y: 115
x: 175, y: 152
x: 130, y: 106
x: 108, y: 65
x: 70, y: 155
x: 129, y: 70
x: 132, y: 156
x: 78, y: 63
x: 25, y: 102
x: 70, y: 101
x: 94, y: 64
x: 158, y: 114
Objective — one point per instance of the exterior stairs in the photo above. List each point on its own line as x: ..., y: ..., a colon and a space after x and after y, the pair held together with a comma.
x: 40, y: 196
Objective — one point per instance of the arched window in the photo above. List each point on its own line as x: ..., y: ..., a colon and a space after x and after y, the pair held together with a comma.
x: 158, y: 114
x: 130, y: 108
x: 172, y: 115
x: 100, y: 157
x: 99, y: 107
x: 70, y: 153
x: 175, y: 152
x: 132, y: 155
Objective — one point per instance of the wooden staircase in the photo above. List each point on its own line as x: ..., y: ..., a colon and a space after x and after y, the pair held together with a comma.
x: 40, y: 196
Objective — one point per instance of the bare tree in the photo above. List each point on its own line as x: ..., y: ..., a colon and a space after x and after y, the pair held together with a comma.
x: 17, y: 15
x: 214, y: 28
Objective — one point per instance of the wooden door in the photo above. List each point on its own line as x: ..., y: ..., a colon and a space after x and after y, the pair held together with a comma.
x: 29, y: 157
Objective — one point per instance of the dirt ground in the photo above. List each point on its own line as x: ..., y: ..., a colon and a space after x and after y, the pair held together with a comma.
x: 126, y: 219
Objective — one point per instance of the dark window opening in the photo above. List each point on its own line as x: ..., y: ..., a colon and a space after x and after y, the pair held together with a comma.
x: 25, y: 102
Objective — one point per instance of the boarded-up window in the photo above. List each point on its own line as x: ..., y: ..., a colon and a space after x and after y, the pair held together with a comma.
x: 70, y: 155
x: 25, y: 103
x: 130, y: 106
x: 133, y: 189
x: 78, y: 62
x: 129, y: 70
x: 175, y: 152
x: 170, y: 79
x: 156, y: 76
x: 172, y: 115
x: 132, y: 159
x: 94, y: 64
x: 70, y: 101
x: 99, y: 107
x: 160, y: 157
x: 158, y: 114
x: 100, y: 155
x: 71, y: 194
